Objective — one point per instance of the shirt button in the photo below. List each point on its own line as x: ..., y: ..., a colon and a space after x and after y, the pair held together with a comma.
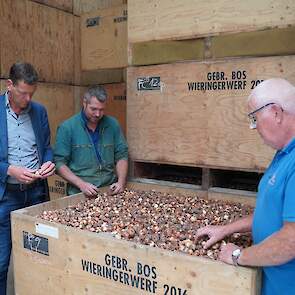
x: 19, y: 148
x: 17, y: 124
x: 19, y: 136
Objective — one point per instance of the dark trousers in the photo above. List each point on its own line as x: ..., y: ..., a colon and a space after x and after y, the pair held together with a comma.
x: 13, y: 200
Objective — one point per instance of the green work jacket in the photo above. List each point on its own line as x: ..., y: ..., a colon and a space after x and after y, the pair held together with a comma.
x: 74, y: 148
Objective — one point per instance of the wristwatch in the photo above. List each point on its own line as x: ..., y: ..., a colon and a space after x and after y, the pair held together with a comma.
x: 235, y: 256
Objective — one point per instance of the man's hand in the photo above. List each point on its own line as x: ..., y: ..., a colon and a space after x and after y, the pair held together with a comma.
x: 215, y: 234
x: 46, y: 170
x: 116, y: 188
x: 226, y: 251
x: 88, y: 189
x: 23, y: 175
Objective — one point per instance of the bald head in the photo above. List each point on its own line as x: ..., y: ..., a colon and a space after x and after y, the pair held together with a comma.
x: 275, y: 90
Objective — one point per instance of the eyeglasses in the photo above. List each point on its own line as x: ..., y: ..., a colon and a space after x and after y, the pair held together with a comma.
x: 22, y: 93
x: 252, y: 115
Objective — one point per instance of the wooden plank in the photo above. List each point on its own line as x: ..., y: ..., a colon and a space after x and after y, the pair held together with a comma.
x: 103, y: 76
x: 77, y: 51
x: 62, y: 269
x: 244, y: 197
x: 116, y: 103
x: 57, y: 187
x: 210, y: 127
x: 66, y: 5
x: 40, y: 35
x: 167, y: 187
x: 158, y: 52
x: 261, y: 43
x: 162, y: 20
x: 84, y: 6
x: 104, y: 39
x: 58, y: 100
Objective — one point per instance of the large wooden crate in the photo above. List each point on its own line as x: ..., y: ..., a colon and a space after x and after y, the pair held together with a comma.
x: 171, y: 118
x: 104, y: 38
x: 166, y: 19
x: 41, y: 35
x: 58, y: 99
x: 64, y: 260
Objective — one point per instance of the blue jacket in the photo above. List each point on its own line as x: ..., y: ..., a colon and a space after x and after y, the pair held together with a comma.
x: 40, y: 125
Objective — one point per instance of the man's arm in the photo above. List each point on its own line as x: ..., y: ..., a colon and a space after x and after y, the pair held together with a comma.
x: 87, y: 188
x: 62, y: 156
x: 217, y: 233
x: 48, y: 154
x: 122, y: 170
x: 3, y: 171
x: 277, y: 249
x: 121, y: 159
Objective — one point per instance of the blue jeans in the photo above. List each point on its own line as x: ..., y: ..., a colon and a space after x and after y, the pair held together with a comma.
x: 13, y: 200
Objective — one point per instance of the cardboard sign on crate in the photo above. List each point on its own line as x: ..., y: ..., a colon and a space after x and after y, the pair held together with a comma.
x: 57, y: 187
x: 195, y: 113
x: 65, y: 260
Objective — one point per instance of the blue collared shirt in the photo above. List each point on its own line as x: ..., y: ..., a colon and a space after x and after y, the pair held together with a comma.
x: 276, y: 205
x: 22, y: 146
x: 93, y: 134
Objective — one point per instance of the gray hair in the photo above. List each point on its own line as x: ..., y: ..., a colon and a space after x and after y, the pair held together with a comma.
x: 96, y: 91
x: 275, y: 90
x: 23, y: 71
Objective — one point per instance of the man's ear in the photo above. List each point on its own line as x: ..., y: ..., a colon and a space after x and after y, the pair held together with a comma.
x: 84, y: 103
x: 278, y: 113
x: 9, y: 84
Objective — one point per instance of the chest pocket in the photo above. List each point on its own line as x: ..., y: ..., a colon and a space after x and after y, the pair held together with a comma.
x: 107, y: 153
x: 83, y: 154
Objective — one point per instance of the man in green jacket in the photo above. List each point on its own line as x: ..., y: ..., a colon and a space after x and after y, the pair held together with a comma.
x: 90, y: 149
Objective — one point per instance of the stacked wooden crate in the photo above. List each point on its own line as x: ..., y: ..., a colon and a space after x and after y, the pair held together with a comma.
x: 103, y: 26
x: 193, y: 64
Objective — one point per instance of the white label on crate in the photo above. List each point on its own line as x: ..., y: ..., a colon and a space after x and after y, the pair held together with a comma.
x: 46, y: 230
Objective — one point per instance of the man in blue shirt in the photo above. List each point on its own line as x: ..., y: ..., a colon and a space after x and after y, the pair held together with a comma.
x: 272, y: 113
x: 25, y: 154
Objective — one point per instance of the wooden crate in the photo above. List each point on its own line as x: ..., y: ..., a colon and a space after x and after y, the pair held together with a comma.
x: 64, y: 260
x: 172, y: 124
x: 57, y: 187
x: 104, y: 39
x: 166, y: 19
x: 66, y: 5
x: 58, y: 99
x: 41, y: 35
x: 83, y: 6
